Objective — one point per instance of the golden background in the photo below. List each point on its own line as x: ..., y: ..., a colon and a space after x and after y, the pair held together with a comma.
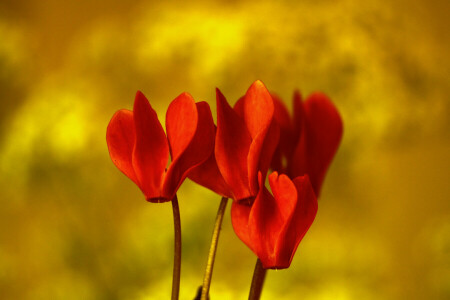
x: 73, y: 227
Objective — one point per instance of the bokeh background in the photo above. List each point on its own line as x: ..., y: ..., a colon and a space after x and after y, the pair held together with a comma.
x: 73, y: 227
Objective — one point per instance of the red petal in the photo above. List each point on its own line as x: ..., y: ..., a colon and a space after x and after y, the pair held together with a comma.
x: 181, y: 123
x: 208, y: 175
x: 258, y: 108
x: 239, y: 218
x: 151, y: 152
x: 284, y: 193
x: 120, y: 137
x: 231, y: 149
x: 269, y: 218
x: 302, y: 216
x: 239, y: 107
x: 261, y: 153
x: 319, y: 141
x: 190, y: 128
x: 274, y: 225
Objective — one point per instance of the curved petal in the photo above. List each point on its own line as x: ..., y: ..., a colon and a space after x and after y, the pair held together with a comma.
x: 269, y: 218
x: 302, y: 214
x: 188, y: 152
x: 319, y: 141
x: 151, y: 151
x: 208, y: 175
x: 284, y: 193
x: 258, y: 108
x: 181, y: 123
x: 120, y: 137
x: 260, y: 154
x: 239, y: 107
x: 239, y: 218
x: 231, y: 148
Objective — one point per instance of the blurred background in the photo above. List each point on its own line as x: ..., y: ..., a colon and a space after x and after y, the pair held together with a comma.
x: 73, y: 227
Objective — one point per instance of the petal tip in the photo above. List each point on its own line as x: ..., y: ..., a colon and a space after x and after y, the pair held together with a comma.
x: 186, y: 95
x: 219, y: 93
x: 259, y: 86
x: 220, y: 99
x: 140, y: 96
x: 140, y: 100
x: 258, y: 83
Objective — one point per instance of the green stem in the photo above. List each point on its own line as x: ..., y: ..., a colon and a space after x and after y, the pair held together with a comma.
x: 258, y: 281
x: 212, y: 249
x: 177, y: 252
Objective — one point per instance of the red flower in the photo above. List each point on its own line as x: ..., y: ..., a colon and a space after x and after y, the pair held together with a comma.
x: 273, y: 226
x: 309, y: 141
x: 246, y: 139
x: 139, y: 147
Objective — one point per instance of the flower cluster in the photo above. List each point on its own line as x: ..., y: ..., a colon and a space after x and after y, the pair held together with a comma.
x: 234, y: 158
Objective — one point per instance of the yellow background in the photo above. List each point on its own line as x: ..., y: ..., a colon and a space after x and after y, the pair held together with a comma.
x: 73, y: 227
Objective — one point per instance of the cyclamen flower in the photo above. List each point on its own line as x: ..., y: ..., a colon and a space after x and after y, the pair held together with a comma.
x: 140, y: 149
x: 308, y: 141
x: 246, y: 139
x: 273, y: 226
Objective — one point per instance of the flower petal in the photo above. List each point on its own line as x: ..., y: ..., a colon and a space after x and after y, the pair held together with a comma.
x: 284, y: 193
x: 120, y: 137
x: 151, y: 151
x: 181, y: 123
x: 188, y: 151
x: 258, y: 108
x: 239, y: 218
x: 302, y: 215
x: 269, y: 218
x: 208, y: 175
x: 231, y: 148
x: 239, y: 107
x: 261, y: 153
x: 319, y: 141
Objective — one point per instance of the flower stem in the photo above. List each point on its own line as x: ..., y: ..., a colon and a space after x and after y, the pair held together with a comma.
x: 212, y: 249
x: 177, y: 252
x: 258, y: 281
